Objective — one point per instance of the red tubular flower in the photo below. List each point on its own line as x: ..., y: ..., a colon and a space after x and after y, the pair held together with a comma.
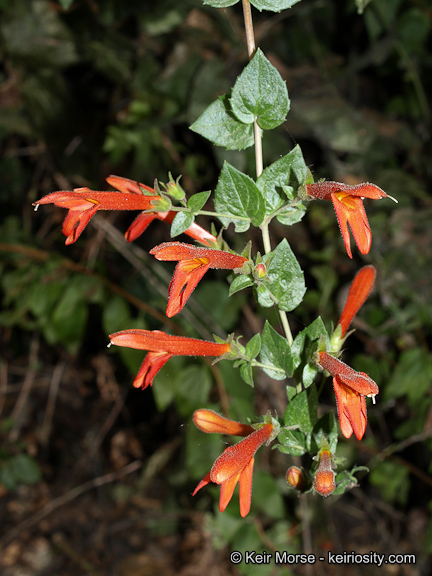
x: 142, y: 221
x: 193, y: 264
x: 324, y: 481
x: 234, y: 465
x: 212, y: 423
x: 359, y: 291
x: 160, y: 348
x: 350, y: 389
x: 348, y: 205
x: 83, y: 203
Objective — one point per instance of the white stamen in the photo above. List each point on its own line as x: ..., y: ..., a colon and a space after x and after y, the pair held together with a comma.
x: 36, y: 207
x: 109, y: 345
x: 391, y: 198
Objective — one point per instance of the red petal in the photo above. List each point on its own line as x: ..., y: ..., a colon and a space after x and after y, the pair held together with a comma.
x: 245, y: 484
x: 75, y: 222
x: 358, y: 292
x: 157, y: 341
x: 151, y: 365
x: 172, y: 251
x: 351, y: 409
x: 139, y: 225
x: 206, y: 480
x: 237, y: 457
x: 187, y: 275
x: 227, y: 490
x: 127, y: 185
x: 350, y: 210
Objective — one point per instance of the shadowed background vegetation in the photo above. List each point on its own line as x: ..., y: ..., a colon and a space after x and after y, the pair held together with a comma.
x: 90, y: 88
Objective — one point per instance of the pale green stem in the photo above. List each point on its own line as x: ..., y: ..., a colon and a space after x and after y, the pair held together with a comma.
x: 250, y: 39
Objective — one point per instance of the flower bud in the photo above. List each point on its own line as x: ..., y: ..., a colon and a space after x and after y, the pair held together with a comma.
x: 324, y: 481
x: 212, y: 423
x: 174, y: 189
x: 260, y: 270
x: 295, y: 478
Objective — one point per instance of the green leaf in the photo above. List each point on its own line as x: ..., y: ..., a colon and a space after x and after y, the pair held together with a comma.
x: 303, y: 410
x: 317, y: 329
x: 197, y: 201
x: 272, y: 5
x: 267, y: 495
x: 115, y: 315
x: 219, y: 125
x: 275, y: 351
x: 192, y: 389
x: 237, y: 194
x: 253, y: 347
x: 220, y: 3
x: 292, y: 442
x: 181, y: 222
x: 246, y: 373
x: 326, y: 426
x: 286, y: 279
x: 260, y: 93
x: 392, y: 479
x: 290, y: 170
x: 239, y: 283
x: 292, y: 214
x: 414, y: 365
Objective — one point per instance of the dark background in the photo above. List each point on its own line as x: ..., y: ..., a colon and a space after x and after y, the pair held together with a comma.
x: 110, y: 88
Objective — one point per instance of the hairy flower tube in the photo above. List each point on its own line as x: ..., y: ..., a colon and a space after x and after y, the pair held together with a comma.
x: 161, y: 347
x: 193, y: 263
x: 324, y: 480
x: 350, y: 389
x: 359, y: 290
x: 83, y: 204
x: 348, y: 204
x: 235, y: 464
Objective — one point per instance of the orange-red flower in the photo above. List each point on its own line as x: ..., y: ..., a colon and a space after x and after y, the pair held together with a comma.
x: 161, y: 347
x: 350, y: 389
x: 212, y: 423
x: 235, y: 464
x: 193, y: 264
x: 348, y: 204
x: 359, y: 291
x: 324, y: 480
x: 295, y: 478
x: 83, y: 203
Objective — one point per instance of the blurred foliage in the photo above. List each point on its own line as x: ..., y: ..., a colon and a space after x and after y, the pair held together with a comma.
x: 89, y: 88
